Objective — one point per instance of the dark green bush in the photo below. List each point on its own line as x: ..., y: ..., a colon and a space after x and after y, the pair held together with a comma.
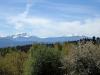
x: 46, y: 61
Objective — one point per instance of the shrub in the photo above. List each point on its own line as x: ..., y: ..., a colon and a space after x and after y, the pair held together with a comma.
x: 46, y: 61
x: 83, y: 59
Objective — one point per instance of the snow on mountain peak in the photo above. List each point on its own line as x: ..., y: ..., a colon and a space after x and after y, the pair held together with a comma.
x: 20, y: 35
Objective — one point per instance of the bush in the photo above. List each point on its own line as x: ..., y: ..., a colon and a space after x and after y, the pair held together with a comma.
x: 12, y: 63
x: 46, y: 61
x: 83, y: 59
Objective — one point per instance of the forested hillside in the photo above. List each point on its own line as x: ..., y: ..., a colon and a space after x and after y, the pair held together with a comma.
x: 69, y: 58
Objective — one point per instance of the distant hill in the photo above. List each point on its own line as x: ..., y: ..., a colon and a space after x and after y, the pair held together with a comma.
x: 24, y: 39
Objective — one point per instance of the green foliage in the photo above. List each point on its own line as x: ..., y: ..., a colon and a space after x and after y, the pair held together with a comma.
x: 4, y: 51
x: 28, y: 64
x: 12, y: 63
x: 46, y: 61
x: 70, y: 58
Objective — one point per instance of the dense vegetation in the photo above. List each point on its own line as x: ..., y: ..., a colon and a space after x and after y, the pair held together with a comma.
x: 69, y: 58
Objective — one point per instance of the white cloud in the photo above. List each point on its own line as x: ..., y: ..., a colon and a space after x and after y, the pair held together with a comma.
x: 19, y: 22
x: 23, y: 19
x: 46, y: 27
x: 90, y: 27
x: 2, y: 34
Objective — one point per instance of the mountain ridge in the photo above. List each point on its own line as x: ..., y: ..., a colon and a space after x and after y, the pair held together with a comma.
x: 24, y: 39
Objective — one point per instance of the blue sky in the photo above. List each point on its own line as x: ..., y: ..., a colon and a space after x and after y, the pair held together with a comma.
x: 49, y: 18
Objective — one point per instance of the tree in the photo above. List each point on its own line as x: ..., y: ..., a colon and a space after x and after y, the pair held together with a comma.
x: 94, y: 40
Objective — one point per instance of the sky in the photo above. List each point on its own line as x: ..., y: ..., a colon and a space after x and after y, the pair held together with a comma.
x: 50, y: 18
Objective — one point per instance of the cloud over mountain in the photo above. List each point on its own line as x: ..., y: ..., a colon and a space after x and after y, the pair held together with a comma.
x: 46, y: 18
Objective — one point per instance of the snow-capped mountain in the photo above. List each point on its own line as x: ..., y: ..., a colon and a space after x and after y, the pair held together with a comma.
x: 20, y: 35
x: 23, y: 39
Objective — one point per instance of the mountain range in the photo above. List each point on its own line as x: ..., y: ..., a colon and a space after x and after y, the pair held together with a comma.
x: 24, y: 39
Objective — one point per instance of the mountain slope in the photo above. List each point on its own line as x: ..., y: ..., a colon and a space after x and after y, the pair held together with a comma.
x: 23, y: 39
